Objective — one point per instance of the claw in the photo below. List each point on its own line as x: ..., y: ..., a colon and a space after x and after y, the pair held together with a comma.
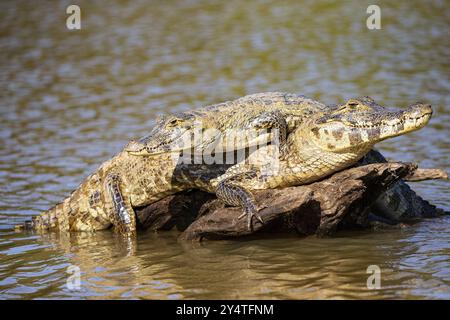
x: 259, y: 218
x: 250, y: 214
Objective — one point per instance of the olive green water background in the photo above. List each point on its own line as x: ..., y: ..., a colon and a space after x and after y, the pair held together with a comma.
x: 69, y: 100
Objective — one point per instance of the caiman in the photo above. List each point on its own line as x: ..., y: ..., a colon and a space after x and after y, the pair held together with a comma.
x: 326, y: 140
x: 322, y: 141
x: 248, y: 121
x: 107, y: 197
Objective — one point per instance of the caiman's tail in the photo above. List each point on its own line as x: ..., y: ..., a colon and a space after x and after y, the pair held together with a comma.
x: 51, y: 219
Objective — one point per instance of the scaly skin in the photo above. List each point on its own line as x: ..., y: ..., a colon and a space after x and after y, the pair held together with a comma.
x: 325, y: 143
x: 107, y: 197
x: 325, y: 140
x: 258, y: 112
x: 322, y: 141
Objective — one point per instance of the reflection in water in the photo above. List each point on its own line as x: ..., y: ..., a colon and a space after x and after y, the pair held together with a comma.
x: 286, y: 267
x: 71, y: 99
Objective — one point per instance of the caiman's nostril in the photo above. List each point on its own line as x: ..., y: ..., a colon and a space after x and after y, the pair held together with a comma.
x: 418, y: 109
x: 428, y: 107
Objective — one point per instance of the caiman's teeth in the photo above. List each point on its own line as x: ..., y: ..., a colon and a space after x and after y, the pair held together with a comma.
x: 394, y: 124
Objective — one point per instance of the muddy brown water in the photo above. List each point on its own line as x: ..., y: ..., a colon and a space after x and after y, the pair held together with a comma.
x: 71, y: 99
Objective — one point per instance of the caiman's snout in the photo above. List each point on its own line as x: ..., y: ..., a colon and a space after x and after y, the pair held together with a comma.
x: 351, y: 127
x: 152, y: 147
x: 136, y: 148
x: 419, y: 109
x: 416, y: 116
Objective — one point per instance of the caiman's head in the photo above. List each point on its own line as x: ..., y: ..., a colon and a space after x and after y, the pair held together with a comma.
x: 199, y: 132
x: 169, y: 135
x: 361, y: 122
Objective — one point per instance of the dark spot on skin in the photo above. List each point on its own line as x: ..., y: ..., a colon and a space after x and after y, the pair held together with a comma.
x: 94, y: 198
x: 286, y: 97
x: 338, y: 134
x: 316, y: 132
x: 375, y: 133
x: 330, y: 146
x: 326, y: 131
x: 355, y: 138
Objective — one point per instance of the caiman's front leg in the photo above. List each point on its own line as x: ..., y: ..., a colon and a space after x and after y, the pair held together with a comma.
x: 231, y: 193
x: 272, y: 120
x: 121, y: 214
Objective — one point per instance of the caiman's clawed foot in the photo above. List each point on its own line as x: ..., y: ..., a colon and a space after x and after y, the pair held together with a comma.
x: 122, y: 215
x: 250, y: 213
x: 231, y: 193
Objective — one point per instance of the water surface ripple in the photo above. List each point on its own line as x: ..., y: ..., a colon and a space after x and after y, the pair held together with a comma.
x: 71, y: 99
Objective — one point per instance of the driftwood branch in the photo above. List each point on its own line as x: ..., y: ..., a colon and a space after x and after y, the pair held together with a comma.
x: 341, y: 200
x: 427, y: 174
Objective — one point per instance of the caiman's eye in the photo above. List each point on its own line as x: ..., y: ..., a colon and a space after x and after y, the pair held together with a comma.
x: 174, y: 122
x: 352, y: 104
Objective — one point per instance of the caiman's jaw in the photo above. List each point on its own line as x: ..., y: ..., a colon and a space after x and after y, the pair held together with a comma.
x: 151, y: 146
x: 171, y: 134
x: 137, y: 148
x: 417, y: 116
x: 361, y: 123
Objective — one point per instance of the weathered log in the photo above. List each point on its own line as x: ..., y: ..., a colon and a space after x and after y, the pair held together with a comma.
x: 341, y: 200
x: 427, y: 174
x: 400, y: 203
x: 315, y: 208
